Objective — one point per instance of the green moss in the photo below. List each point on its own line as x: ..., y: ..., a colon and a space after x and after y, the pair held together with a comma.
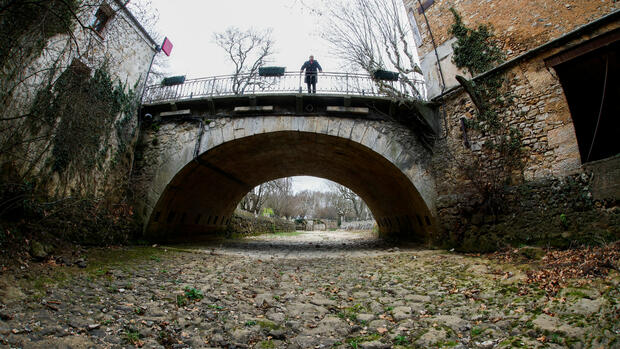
x: 268, y: 324
x: 267, y: 344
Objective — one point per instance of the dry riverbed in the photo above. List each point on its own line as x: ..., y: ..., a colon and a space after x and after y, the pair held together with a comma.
x: 304, y: 290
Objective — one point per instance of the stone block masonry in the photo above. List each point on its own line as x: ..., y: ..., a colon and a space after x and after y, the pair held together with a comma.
x: 555, y: 197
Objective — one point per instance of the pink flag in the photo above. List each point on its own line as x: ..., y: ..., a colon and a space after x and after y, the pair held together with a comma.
x: 166, y: 46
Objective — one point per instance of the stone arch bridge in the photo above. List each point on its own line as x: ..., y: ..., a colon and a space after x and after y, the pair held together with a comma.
x: 199, y: 155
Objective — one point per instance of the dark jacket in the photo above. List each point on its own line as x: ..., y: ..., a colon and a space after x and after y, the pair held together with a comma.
x: 311, y: 67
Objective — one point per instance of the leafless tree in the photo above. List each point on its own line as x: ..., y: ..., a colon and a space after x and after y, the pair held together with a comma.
x: 148, y: 15
x: 375, y: 35
x: 274, y: 194
x: 248, y: 51
x: 349, y: 204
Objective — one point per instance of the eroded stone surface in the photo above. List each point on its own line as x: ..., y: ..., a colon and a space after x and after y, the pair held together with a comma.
x: 305, y: 291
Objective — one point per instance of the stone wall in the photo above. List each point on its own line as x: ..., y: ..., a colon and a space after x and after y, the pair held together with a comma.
x: 246, y: 224
x: 126, y: 50
x: 358, y: 225
x: 552, y: 199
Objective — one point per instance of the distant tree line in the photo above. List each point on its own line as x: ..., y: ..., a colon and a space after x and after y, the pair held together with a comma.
x: 277, y: 198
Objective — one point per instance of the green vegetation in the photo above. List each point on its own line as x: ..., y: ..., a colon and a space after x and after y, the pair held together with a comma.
x: 132, y: 336
x: 355, y: 341
x: 268, y: 344
x: 268, y: 325
x: 193, y: 294
x: 474, y: 48
x: 401, y: 340
x: 87, y: 108
x: 351, y: 312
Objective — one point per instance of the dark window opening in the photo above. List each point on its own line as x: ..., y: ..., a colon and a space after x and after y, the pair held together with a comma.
x: 591, y: 86
x: 419, y: 219
x: 102, y: 17
x: 80, y: 69
x: 170, y: 217
x: 426, y: 4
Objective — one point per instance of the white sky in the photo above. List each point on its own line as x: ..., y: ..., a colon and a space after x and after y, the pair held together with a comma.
x: 190, y: 24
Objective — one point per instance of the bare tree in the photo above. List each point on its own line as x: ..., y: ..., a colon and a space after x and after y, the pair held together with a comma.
x: 147, y: 14
x: 253, y: 201
x: 248, y: 51
x: 348, y: 203
x: 375, y: 35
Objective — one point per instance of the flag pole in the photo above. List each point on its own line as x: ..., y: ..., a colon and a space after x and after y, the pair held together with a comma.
x: 146, y: 79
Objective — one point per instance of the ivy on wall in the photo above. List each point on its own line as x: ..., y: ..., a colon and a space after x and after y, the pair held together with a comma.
x: 86, y: 108
x: 25, y: 29
x: 495, y: 164
x: 474, y: 48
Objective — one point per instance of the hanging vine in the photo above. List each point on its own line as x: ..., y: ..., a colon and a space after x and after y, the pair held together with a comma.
x: 493, y: 165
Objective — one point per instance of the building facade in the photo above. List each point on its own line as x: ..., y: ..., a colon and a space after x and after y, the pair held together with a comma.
x: 560, y: 69
x: 59, y: 57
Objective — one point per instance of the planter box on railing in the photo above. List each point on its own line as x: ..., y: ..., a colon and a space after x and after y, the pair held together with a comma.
x: 173, y: 80
x: 271, y: 71
x: 385, y: 75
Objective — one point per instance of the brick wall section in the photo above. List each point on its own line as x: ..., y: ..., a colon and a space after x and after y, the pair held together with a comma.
x: 519, y: 25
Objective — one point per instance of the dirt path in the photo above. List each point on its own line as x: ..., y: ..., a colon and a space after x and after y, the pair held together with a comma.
x: 308, y: 290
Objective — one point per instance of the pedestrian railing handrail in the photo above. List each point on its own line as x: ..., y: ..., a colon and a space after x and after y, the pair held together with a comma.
x: 333, y: 83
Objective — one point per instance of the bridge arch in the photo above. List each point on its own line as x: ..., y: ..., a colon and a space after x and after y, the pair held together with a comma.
x: 198, y: 174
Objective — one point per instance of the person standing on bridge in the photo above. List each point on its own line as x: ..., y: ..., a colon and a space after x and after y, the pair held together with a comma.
x: 311, y: 67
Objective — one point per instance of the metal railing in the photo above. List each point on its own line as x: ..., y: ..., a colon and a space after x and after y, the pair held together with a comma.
x: 291, y: 82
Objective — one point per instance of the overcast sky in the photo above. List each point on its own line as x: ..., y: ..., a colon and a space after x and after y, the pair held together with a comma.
x: 190, y: 24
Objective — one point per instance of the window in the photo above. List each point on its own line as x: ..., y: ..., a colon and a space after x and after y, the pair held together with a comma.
x: 414, y: 26
x: 589, y: 77
x: 426, y: 4
x: 102, y: 17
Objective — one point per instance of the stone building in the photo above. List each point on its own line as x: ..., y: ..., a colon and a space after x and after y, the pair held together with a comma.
x: 77, y: 37
x: 561, y: 71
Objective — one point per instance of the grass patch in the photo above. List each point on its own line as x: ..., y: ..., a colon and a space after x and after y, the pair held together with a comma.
x: 268, y: 324
x: 267, y: 344
x: 132, y: 337
x: 355, y: 341
x: 106, y: 259
x: 351, y: 312
x: 401, y: 340
x: 476, y: 331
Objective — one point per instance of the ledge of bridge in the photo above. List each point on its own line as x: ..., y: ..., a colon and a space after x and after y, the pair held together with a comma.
x: 422, y: 117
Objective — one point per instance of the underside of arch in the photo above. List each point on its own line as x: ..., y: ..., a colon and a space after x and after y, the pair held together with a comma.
x: 202, y: 196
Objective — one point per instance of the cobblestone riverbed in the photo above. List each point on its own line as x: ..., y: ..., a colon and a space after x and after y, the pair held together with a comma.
x: 298, y: 290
